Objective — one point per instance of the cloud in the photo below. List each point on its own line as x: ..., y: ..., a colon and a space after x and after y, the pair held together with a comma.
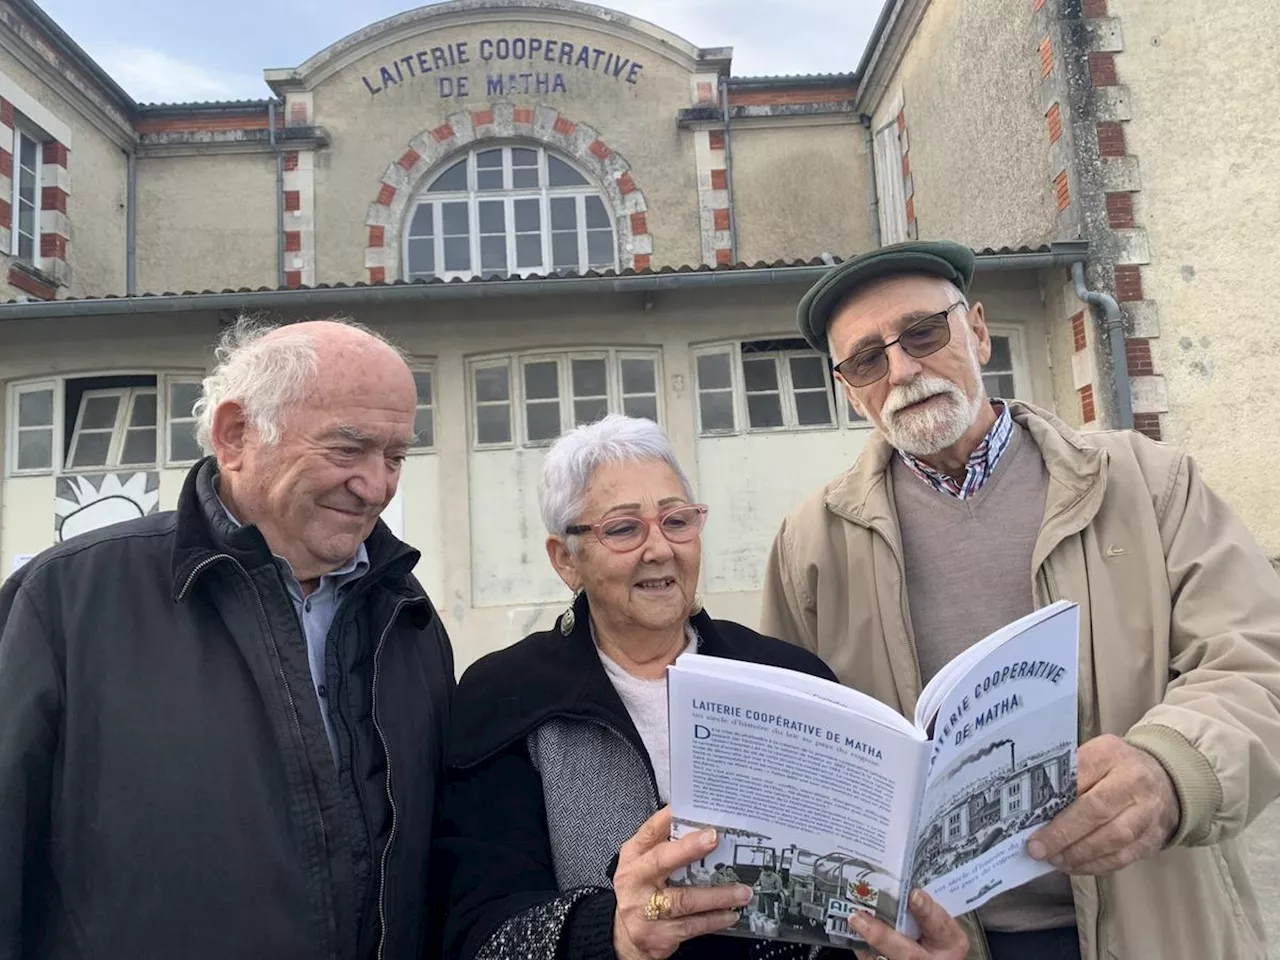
x: 150, y: 76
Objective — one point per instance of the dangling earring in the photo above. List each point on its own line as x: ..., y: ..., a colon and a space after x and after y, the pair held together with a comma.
x: 567, y: 619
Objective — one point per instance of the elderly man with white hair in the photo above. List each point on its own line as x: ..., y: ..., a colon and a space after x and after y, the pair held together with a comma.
x: 221, y: 727
x: 553, y: 839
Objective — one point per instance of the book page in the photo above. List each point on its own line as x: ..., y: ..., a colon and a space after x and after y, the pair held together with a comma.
x: 813, y: 803
x: 1002, y: 763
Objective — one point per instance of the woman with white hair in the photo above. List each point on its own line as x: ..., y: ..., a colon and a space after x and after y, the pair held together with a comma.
x: 552, y: 837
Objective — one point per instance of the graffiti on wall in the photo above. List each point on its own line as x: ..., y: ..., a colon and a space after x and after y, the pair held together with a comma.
x: 87, y: 502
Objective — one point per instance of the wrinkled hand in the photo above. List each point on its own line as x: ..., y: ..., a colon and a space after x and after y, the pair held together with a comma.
x: 941, y: 937
x: 1126, y: 809
x: 645, y: 862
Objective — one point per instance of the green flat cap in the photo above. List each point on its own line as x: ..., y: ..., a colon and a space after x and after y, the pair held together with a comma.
x: 941, y: 258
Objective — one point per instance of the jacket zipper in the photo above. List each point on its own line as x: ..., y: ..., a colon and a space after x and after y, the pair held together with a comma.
x: 275, y: 650
x: 386, y: 752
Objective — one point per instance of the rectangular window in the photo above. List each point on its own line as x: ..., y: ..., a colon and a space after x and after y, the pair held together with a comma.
x: 715, y: 392
x: 26, y: 197
x: 541, y: 381
x: 785, y: 385
x: 424, y: 424
x: 491, y: 383
x: 997, y: 375
x: 890, y: 184
x: 32, y: 428
x: 639, y: 387
x: 555, y: 392
x: 114, y: 427
x: 180, y: 421
x: 1013, y: 797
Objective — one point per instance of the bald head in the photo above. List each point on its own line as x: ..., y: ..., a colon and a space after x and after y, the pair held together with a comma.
x: 309, y: 423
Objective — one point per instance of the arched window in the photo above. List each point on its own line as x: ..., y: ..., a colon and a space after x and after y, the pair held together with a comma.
x: 502, y: 211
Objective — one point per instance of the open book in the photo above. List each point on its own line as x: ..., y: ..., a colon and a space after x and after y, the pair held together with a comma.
x: 829, y: 802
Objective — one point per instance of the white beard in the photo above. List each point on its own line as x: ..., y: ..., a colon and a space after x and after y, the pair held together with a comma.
x: 927, y: 431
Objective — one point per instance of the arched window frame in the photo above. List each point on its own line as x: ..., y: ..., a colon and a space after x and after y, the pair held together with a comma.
x: 588, y: 223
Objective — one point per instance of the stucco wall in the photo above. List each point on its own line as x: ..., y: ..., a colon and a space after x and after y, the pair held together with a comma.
x: 96, y: 206
x: 1206, y: 142
x: 371, y: 131
x: 970, y: 86
x: 800, y: 190
x: 206, y: 222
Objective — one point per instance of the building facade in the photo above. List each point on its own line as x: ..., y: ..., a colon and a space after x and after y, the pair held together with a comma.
x: 561, y: 211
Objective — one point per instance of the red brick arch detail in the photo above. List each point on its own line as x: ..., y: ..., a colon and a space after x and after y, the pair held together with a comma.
x: 543, y: 125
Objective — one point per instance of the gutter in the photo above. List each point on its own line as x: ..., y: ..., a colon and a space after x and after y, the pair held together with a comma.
x: 1059, y: 255
x: 1114, y: 326
x: 275, y: 148
x: 869, y: 138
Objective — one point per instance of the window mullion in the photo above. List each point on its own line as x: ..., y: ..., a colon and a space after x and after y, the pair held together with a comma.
x: 786, y: 391
x: 580, y: 208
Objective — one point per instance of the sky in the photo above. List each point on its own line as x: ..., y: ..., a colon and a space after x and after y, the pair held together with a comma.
x: 166, y: 51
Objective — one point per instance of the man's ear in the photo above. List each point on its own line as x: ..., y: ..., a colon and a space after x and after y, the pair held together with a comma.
x: 976, y: 321
x: 229, y: 434
x: 564, y: 562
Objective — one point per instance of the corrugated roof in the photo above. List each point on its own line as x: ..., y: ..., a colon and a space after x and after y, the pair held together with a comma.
x: 196, y: 106
x: 795, y: 79
x: 1069, y: 249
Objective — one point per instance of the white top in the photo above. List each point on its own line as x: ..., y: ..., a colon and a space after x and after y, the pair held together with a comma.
x: 646, y: 703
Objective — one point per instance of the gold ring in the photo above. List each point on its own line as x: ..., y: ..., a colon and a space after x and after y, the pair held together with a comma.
x: 658, y: 907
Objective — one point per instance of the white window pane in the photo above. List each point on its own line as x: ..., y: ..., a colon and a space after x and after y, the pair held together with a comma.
x: 423, y: 223
x: 542, y: 380
x: 524, y: 178
x: 457, y: 254
x: 523, y: 157
x: 35, y: 408
x: 26, y: 247
x: 564, y: 213
x: 182, y: 442
x: 422, y: 380
x: 493, y: 216
x: 600, y: 248
x: 139, y: 447
x: 35, y: 449
x: 422, y: 257
x: 489, y: 159
x: 455, y: 178
x: 493, y: 256
x: 542, y: 420
x: 424, y: 427
x: 560, y: 174
x: 564, y: 250
x: 493, y: 424
x: 144, y: 410
x: 454, y: 219
x: 646, y: 407
x: 764, y: 410
x: 27, y: 152
x: 182, y: 397
x: 590, y: 378
x: 492, y: 384
x: 98, y: 413
x: 759, y: 374
x: 1001, y: 360
x: 597, y: 217
x: 589, y: 411
x: 92, y: 449
x: 527, y: 215
x: 713, y: 371
x: 808, y: 372
x: 528, y: 250
x: 717, y: 410
x: 488, y: 179
x: 999, y: 385
x: 813, y: 409
x: 638, y: 376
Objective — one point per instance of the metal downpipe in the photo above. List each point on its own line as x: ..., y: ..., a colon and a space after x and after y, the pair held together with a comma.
x: 728, y: 173
x: 1114, y: 325
x: 131, y: 225
x: 275, y: 148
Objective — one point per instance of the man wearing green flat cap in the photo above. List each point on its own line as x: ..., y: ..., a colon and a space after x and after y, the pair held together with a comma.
x: 965, y: 512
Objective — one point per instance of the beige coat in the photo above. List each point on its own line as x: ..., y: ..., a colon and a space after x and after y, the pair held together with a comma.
x: 1179, y: 652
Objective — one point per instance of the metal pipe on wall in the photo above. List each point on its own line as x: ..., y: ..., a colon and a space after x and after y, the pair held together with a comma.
x: 1114, y: 325
x: 870, y: 138
x: 728, y: 172
x: 275, y: 147
x: 131, y: 224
